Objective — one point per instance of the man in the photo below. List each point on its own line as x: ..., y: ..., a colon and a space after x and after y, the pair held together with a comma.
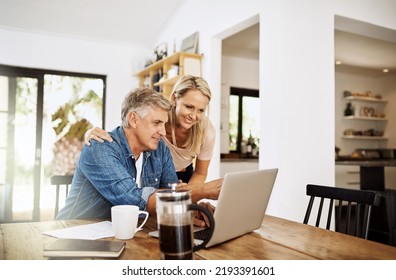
x: 131, y: 168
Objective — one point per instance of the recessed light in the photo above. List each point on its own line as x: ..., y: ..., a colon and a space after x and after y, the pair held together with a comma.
x: 385, y: 70
x: 338, y: 62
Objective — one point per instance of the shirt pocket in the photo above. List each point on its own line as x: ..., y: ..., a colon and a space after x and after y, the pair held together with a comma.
x: 152, y: 174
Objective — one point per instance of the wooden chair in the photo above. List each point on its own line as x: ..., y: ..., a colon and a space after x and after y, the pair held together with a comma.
x: 360, y: 201
x: 58, y: 181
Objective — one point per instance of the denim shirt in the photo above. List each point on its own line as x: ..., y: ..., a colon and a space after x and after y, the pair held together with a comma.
x: 105, y: 175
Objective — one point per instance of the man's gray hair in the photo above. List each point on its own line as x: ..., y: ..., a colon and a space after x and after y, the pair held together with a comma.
x: 140, y: 100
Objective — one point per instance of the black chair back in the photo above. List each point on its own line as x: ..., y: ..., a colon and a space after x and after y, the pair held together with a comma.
x: 58, y: 181
x: 357, y: 201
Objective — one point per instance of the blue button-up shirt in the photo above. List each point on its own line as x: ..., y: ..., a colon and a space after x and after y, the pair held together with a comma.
x: 105, y: 175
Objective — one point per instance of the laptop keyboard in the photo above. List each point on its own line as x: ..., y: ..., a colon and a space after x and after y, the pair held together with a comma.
x: 201, y: 234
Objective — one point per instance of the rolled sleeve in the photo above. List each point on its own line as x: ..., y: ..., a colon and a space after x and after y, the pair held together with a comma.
x: 146, y: 193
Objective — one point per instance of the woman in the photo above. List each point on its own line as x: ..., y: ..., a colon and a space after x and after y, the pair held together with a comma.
x: 190, y: 135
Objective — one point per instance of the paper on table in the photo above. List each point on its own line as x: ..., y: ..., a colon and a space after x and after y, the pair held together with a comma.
x: 90, y: 231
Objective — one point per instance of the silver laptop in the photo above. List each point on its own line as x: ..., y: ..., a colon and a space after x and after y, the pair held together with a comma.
x: 241, y: 205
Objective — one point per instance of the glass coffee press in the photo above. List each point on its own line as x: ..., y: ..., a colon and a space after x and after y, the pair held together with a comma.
x: 175, y: 224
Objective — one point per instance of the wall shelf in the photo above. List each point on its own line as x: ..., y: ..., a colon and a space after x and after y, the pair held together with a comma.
x: 185, y: 63
x: 362, y: 118
x: 365, y: 99
x: 354, y: 137
x: 170, y: 81
x: 367, y: 111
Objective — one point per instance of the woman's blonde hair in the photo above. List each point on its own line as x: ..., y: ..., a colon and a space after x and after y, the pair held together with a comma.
x: 198, y: 130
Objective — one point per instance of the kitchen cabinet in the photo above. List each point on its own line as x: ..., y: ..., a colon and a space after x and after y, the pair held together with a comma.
x: 347, y: 176
x: 163, y: 74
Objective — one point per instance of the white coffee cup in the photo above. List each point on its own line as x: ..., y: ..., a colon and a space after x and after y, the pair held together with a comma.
x: 124, y: 219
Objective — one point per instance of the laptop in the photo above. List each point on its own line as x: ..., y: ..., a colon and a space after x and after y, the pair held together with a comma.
x: 241, y: 205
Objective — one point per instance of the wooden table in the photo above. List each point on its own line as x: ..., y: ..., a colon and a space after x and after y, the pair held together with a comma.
x: 277, y: 239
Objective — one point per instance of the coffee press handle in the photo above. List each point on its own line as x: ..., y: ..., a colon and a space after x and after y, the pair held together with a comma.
x: 211, y: 221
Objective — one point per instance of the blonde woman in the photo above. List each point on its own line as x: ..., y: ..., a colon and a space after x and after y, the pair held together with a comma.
x: 190, y: 135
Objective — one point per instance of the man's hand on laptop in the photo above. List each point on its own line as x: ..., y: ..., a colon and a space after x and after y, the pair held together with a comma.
x: 200, y: 218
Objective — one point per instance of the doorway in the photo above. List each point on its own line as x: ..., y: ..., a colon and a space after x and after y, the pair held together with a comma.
x: 39, y: 110
x: 239, y: 68
x: 365, y: 75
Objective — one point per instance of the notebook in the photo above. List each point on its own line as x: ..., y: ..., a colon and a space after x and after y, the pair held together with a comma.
x: 84, y: 248
x: 241, y: 205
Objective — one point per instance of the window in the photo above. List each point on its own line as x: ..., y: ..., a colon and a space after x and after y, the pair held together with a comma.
x: 244, y: 118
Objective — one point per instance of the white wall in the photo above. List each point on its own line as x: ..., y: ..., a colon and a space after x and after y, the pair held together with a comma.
x: 296, y: 79
x: 117, y: 62
x: 388, y: 89
x: 230, y: 166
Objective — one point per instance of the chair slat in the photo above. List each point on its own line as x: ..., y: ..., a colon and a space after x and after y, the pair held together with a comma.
x: 58, y: 181
x: 358, y: 220
x: 329, y: 215
x: 319, y: 212
x: 308, y: 212
x: 348, y: 218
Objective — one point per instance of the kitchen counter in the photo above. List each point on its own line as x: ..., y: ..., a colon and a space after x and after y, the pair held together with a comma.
x: 372, y: 177
x: 236, y: 157
x: 372, y: 171
x: 239, y: 160
x: 366, y: 162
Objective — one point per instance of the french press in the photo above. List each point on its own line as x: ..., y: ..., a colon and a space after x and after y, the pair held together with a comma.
x: 175, y: 224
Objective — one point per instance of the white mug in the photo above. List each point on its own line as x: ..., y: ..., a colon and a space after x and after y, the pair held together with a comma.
x: 124, y: 219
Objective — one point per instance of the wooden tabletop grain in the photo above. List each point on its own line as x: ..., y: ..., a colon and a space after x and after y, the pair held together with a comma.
x: 277, y: 239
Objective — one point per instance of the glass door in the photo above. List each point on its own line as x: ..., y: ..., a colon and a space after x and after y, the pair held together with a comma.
x: 19, y: 148
x: 43, y: 118
x: 71, y: 106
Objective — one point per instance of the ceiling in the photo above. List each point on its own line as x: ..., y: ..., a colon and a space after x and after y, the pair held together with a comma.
x: 243, y: 44
x: 136, y: 22
x: 364, y: 45
x: 353, y: 47
x: 131, y: 22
